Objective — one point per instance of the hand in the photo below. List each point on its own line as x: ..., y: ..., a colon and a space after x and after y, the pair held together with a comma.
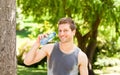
x: 41, y: 36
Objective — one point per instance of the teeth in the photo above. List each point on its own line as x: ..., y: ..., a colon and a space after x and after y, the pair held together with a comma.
x: 63, y: 37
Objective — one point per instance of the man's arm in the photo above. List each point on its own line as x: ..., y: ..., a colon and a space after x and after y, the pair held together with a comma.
x: 83, y: 63
x: 35, y: 55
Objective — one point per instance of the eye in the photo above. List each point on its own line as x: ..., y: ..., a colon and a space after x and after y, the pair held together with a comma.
x: 65, y: 30
x: 59, y: 30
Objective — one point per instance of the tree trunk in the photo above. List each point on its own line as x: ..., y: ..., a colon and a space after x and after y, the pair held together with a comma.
x: 7, y: 37
x: 83, y: 40
x: 93, y: 40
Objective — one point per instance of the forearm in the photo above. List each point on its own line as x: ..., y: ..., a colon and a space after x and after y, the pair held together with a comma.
x: 31, y: 54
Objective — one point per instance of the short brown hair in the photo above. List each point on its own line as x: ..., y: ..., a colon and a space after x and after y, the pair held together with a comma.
x: 67, y: 20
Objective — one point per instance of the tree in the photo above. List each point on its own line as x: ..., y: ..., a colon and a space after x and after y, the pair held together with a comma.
x: 7, y: 37
x: 88, y: 14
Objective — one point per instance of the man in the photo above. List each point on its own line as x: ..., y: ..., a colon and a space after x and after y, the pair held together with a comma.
x: 64, y: 57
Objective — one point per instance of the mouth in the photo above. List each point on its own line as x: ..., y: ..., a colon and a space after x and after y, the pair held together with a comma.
x: 62, y: 37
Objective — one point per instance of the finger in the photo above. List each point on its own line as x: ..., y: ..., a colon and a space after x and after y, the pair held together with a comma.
x: 46, y: 35
x: 41, y: 36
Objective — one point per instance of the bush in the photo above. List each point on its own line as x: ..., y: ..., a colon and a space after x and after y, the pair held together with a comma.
x: 23, y: 49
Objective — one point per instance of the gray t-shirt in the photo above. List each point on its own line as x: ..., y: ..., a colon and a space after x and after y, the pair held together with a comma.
x: 60, y: 63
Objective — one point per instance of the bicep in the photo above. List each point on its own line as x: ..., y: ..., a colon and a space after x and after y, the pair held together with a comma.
x: 83, y: 67
x: 83, y: 70
x: 43, y: 52
x: 40, y: 54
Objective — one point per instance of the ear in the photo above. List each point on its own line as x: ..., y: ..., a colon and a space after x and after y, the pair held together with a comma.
x: 74, y: 31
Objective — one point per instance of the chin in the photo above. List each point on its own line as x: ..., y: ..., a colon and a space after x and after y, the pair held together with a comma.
x: 63, y: 41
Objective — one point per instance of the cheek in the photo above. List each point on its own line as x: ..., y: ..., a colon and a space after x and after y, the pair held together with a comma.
x: 59, y: 35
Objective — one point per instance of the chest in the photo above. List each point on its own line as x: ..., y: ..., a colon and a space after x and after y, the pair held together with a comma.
x: 63, y: 61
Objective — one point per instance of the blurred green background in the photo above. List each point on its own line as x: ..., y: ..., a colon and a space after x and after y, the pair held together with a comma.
x: 98, y: 31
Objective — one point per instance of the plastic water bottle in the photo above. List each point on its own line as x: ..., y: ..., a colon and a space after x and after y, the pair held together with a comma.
x: 47, y: 39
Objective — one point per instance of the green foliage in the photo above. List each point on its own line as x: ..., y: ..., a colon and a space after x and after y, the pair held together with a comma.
x: 85, y: 11
x: 107, y: 48
x: 109, y: 44
x: 40, y: 29
x: 22, y: 50
x: 88, y: 11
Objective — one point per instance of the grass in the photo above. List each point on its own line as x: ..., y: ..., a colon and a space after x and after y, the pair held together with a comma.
x: 22, y: 70
x: 22, y: 33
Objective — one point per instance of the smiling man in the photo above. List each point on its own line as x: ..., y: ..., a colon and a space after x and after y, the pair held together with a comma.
x: 63, y: 57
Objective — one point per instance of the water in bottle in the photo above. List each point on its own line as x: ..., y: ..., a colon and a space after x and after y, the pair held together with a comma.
x: 47, y: 39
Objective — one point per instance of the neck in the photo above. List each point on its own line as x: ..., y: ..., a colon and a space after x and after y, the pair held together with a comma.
x: 67, y: 46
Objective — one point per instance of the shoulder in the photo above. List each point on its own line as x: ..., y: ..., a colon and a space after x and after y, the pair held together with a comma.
x: 48, y: 45
x: 82, y: 57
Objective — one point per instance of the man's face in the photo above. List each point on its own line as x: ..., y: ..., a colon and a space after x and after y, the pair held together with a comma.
x: 65, y: 34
